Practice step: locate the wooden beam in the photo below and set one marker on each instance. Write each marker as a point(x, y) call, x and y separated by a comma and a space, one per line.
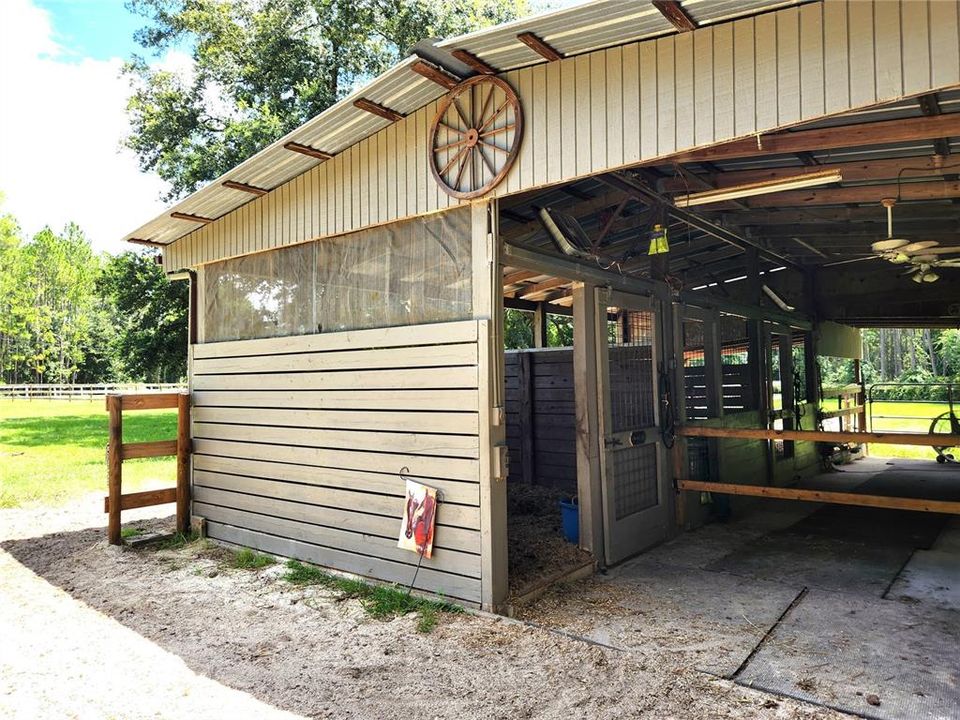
point(540, 47)
point(146, 498)
point(889, 438)
point(468, 58)
point(860, 171)
point(191, 218)
point(243, 187)
point(377, 109)
point(863, 134)
point(519, 276)
point(153, 448)
point(307, 150)
point(434, 74)
point(147, 401)
point(934, 190)
point(184, 447)
point(541, 288)
point(844, 215)
point(824, 496)
point(114, 467)
point(930, 106)
point(147, 243)
point(677, 16)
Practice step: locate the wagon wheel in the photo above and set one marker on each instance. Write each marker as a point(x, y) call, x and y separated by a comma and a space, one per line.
point(944, 424)
point(475, 136)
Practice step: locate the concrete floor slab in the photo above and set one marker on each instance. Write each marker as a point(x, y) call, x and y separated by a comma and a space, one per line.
point(838, 649)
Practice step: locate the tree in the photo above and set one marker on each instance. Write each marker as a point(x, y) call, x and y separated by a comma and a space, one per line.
point(263, 67)
point(150, 316)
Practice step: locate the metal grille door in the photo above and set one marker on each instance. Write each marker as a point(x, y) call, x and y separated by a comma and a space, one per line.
point(631, 466)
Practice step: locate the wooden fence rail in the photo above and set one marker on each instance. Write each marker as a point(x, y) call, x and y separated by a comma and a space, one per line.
point(118, 451)
point(86, 391)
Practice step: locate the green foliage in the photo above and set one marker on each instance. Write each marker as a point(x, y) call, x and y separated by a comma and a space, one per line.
point(260, 69)
point(248, 559)
point(379, 601)
point(150, 316)
point(517, 329)
point(130, 532)
point(51, 451)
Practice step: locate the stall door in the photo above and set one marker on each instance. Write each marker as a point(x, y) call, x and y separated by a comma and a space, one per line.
point(632, 457)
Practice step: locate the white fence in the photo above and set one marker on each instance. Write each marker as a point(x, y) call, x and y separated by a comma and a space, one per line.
point(82, 392)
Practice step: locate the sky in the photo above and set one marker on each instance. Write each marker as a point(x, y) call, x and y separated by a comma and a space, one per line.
point(62, 119)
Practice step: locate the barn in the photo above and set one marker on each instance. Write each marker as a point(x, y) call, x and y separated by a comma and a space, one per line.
point(695, 190)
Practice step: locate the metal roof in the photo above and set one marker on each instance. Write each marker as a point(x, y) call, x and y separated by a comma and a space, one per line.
point(572, 31)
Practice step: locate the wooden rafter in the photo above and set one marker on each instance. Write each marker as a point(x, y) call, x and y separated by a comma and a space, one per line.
point(307, 150)
point(191, 218)
point(859, 171)
point(841, 136)
point(930, 105)
point(468, 58)
point(377, 109)
point(541, 288)
point(539, 46)
point(934, 190)
point(843, 215)
point(243, 187)
point(519, 276)
point(677, 16)
point(435, 74)
point(147, 243)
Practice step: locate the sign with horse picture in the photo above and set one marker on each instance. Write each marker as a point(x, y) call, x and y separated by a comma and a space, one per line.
point(419, 519)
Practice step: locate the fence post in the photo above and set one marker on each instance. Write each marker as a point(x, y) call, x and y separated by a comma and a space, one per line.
point(114, 466)
point(183, 463)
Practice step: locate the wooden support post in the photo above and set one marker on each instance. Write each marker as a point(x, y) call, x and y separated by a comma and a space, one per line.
point(587, 419)
point(114, 466)
point(540, 320)
point(525, 380)
point(183, 463)
point(861, 398)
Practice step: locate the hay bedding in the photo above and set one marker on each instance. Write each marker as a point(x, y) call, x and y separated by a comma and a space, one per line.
point(537, 548)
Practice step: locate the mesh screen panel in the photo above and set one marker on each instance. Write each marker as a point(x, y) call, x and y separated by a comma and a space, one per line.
point(406, 273)
point(635, 472)
point(631, 373)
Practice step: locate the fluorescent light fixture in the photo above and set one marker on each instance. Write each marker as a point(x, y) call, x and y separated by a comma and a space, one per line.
point(735, 192)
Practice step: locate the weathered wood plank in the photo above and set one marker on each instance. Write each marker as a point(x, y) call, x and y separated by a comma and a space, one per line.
point(421, 465)
point(437, 356)
point(130, 501)
point(457, 423)
point(464, 331)
point(825, 496)
point(446, 400)
point(464, 446)
point(148, 401)
point(459, 492)
point(414, 379)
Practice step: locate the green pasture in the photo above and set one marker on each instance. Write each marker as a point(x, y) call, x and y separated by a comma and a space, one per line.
point(52, 451)
point(906, 417)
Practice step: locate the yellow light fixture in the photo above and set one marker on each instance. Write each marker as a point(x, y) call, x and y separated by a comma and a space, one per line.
point(735, 192)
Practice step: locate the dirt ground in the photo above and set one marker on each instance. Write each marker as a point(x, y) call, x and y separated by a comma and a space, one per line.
point(91, 631)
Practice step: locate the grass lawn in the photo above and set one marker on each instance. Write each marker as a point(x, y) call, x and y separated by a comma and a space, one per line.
point(51, 451)
point(905, 417)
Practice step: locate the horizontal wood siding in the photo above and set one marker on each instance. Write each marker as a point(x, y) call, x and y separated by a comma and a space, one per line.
point(541, 418)
point(302, 444)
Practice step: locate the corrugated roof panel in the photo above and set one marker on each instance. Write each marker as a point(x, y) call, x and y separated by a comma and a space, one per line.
point(573, 30)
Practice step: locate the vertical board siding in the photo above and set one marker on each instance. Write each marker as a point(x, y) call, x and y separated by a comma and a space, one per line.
point(302, 445)
point(620, 106)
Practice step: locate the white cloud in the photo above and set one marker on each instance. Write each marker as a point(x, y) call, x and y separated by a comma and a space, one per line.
point(61, 127)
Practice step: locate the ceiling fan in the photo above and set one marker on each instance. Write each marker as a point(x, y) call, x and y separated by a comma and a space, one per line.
point(922, 256)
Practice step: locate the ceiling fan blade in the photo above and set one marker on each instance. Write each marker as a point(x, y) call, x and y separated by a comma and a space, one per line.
point(942, 250)
point(852, 260)
point(918, 246)
point(889, 244)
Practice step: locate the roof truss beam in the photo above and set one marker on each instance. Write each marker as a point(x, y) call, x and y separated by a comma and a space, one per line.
point(677, 16)
point(377, 109)
point(831, 138)
point(540, 47)
point(307, 150)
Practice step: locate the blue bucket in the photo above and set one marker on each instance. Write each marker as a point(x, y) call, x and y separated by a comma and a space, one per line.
point(570, 515)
